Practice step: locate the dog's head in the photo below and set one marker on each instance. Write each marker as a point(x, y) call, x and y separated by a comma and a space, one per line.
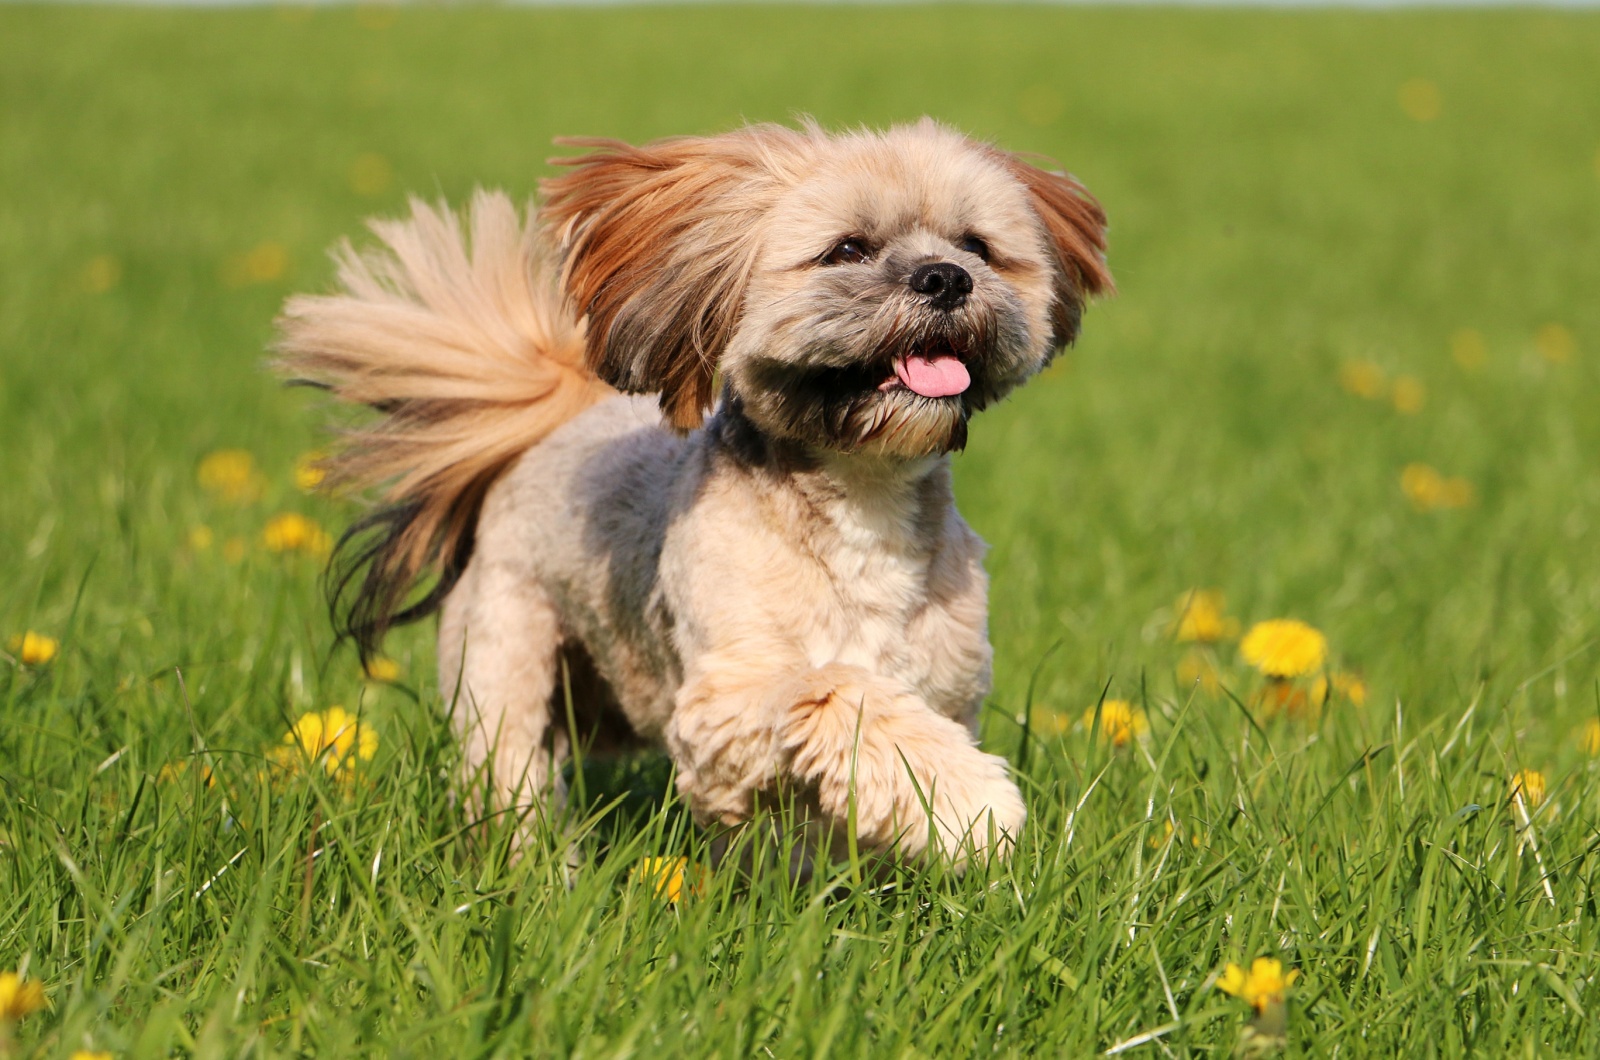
point(859, 292)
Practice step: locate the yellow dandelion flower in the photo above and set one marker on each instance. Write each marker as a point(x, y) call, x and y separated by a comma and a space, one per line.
point(1197, 668)
point(1528, 785)
point(1591, 737)
point(1471, 353)
point(201, 538)
point(1120, 721)
point(262, 263)
point(293, 532)
point(382, 669)
point(1284, 647)
point(1555, 343)
point(33, 649)
point(1202, 617)
point(100, 274)
point(19, 997)
point(1409, 395)
point(1351, 686)
point(90, 1054)
point(1428, 490)
point(231, 475)
point(671, 878)
point(370, 174)
point(1363, 379)
point(1421, 484)
point(1262, 985)
point(1420, 99)
point(333, 737)
point(309, 472)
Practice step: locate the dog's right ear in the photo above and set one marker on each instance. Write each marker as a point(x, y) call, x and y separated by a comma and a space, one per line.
point(656, 245)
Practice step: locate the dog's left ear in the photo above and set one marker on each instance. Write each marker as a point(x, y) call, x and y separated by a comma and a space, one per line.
point(1076, 226)
point(656, 246)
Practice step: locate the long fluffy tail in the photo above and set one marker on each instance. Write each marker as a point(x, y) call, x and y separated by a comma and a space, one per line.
point(466, 349)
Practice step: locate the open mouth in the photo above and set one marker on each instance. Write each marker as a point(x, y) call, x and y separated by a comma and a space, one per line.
point(933, 372)
point(908, 397)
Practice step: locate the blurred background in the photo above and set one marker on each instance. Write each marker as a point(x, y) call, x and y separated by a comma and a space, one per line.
point(1349, 376)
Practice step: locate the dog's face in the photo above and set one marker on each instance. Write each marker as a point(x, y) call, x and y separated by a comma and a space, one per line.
point(865, 292)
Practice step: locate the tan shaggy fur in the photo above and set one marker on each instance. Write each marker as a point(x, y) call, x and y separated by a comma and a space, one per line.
point(784, 596)
point(468, 350)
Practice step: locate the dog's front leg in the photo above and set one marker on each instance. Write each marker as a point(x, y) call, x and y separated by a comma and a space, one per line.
point(846, 734)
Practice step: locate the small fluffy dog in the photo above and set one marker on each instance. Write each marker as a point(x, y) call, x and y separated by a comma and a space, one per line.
point(783, 595)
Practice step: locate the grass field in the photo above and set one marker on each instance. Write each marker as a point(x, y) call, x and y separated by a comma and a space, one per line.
point(1347, 245)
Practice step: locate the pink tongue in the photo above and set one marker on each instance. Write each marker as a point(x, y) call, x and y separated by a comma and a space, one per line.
point(939, 377)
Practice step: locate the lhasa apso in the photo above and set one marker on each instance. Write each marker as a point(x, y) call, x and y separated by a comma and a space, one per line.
point(782, 595)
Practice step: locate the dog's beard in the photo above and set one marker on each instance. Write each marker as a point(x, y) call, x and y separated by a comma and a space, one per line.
point(848, 389)
point(856, 408)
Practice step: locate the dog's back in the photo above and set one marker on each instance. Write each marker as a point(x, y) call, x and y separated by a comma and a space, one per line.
point(584, 515)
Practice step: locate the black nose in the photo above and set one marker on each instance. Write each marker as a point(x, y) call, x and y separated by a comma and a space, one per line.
point(945, 283)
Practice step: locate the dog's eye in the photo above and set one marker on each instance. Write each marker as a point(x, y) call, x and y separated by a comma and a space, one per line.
point(974, 245)
point(847, 252)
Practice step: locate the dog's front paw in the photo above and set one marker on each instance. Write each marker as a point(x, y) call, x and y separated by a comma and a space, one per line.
point(915, 777)
point(978, 809)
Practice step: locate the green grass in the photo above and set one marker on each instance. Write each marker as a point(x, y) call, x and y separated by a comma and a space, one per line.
point(1275, 215)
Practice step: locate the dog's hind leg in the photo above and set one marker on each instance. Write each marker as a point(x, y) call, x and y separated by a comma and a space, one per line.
point(499, 663)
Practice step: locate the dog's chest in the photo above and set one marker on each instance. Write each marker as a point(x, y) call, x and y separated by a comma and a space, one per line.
point(878, 568)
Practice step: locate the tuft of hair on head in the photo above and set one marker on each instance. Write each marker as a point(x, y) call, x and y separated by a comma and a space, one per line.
point(657, 243)
point(1075, 227)
point(454, 331)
